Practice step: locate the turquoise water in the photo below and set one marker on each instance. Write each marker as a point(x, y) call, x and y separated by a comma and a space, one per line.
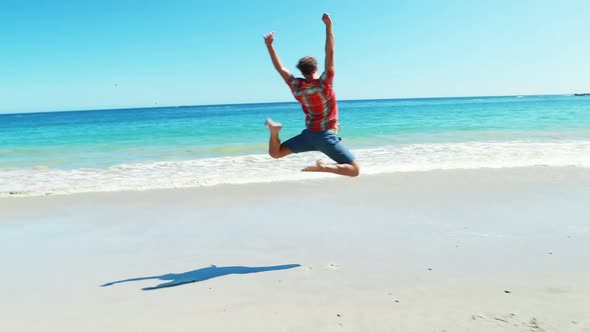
point(82, 147)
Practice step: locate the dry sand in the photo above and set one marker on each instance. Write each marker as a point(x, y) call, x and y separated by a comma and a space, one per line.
point(464, 250)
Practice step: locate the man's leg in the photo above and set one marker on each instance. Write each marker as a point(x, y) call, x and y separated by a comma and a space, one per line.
point(351, 169)
point(330, 144)
point(275, 149)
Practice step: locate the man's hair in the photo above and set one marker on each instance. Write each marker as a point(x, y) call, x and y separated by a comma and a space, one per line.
point(308, 65)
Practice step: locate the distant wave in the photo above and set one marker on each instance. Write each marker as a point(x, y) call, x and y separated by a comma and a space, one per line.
point(261, 168)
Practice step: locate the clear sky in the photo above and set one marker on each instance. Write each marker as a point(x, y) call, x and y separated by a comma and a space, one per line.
point(69, 55)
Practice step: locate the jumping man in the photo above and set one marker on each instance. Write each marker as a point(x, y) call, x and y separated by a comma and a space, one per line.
point(318, 100)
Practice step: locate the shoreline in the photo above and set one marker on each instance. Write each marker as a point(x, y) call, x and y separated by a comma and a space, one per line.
point(455, 250)
point(298, 177)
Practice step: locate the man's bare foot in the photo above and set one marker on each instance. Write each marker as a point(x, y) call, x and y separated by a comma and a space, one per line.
point(274, 127)
point(319, 166)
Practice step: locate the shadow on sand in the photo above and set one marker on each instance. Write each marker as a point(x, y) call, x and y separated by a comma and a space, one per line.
point(177, 279)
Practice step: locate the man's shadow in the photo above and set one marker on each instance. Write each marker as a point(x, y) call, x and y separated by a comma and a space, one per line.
point(177, 279)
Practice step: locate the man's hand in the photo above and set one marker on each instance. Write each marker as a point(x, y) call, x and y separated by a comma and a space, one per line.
point(285, 74)
point(329, 43)
point(269, 38)
point(327, 19)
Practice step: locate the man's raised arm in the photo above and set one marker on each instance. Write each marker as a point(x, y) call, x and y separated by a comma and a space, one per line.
point(329, 43)
point(285, 74)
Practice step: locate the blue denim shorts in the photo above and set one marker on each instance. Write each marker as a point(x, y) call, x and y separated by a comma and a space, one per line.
point(325, 141)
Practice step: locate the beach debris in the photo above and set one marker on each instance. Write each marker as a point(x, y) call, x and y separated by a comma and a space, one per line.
point(429, 269)
point(550, 253)
point(307, 269)
point(333, 267)
point(507, 292)
point(396, 301)
point(338, 315)
point(534, 325)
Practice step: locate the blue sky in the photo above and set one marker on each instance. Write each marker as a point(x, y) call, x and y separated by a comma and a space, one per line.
point(70, 55)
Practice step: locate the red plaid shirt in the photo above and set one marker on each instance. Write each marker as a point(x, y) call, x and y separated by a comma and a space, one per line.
point(318, 100)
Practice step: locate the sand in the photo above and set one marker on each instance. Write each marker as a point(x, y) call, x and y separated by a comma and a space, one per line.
point(462, 250)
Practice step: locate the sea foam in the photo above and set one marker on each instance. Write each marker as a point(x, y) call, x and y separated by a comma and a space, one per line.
point(261, 168)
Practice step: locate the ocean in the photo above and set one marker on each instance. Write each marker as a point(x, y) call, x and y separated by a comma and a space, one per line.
point(193, 146)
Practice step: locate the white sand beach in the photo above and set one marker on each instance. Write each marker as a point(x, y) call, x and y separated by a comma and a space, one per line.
point(457, 250)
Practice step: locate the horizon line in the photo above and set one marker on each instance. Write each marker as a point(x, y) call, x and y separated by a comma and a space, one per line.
point(275, 102)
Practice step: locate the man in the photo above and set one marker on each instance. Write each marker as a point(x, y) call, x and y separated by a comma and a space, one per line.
point(318, 100)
